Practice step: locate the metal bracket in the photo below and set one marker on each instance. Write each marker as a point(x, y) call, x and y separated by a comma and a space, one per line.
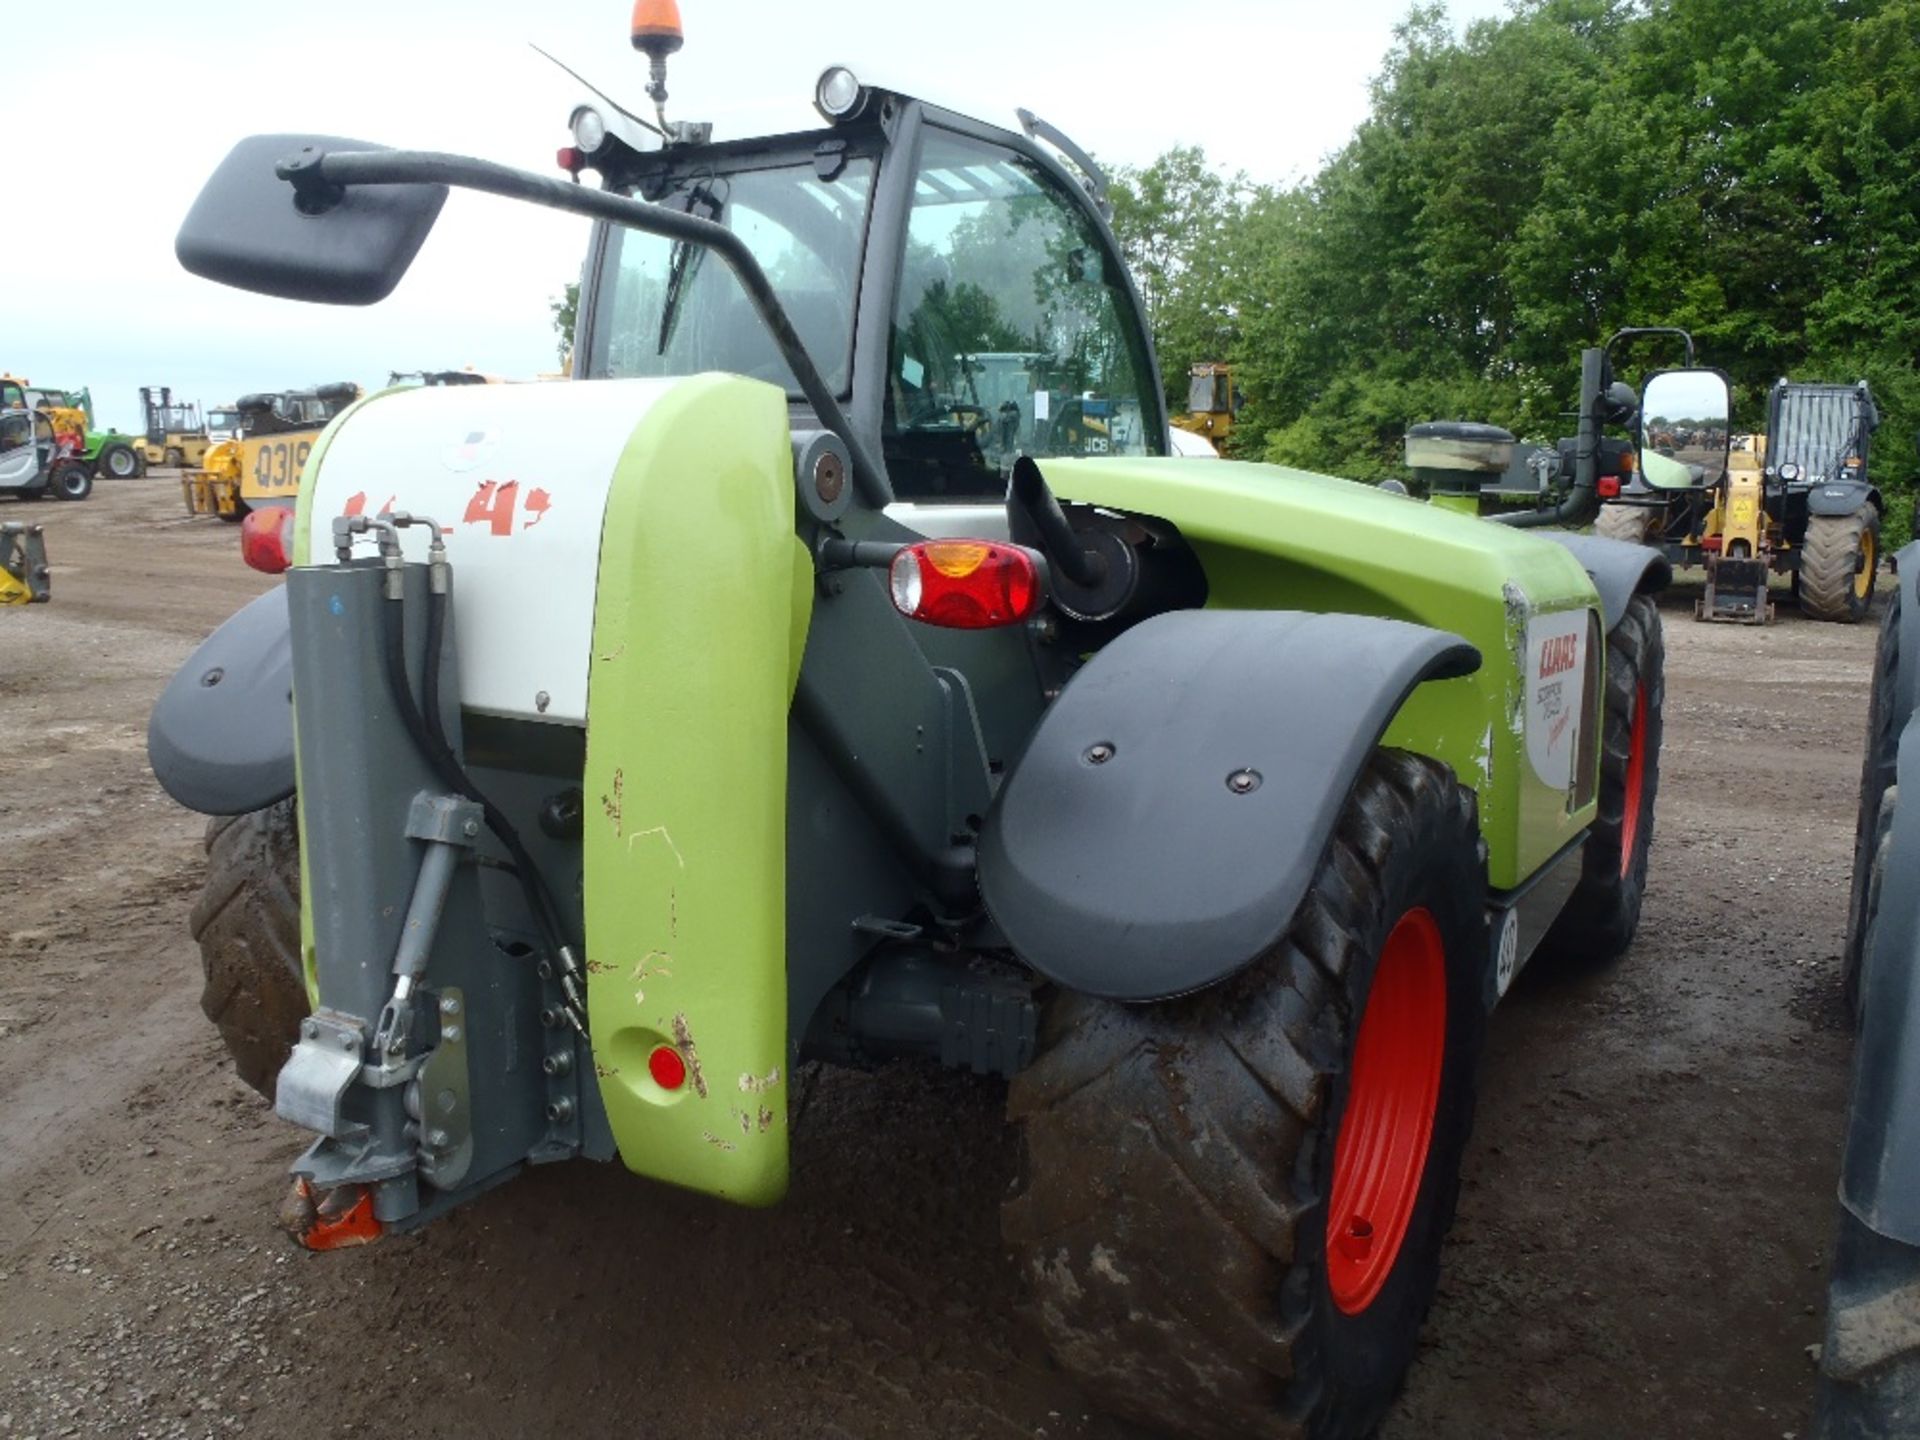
point(323, 1066)
point(442, 1102)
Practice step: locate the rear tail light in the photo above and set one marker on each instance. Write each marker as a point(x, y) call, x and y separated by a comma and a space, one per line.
point(266, 539)
point(1608, 486)
point(965, 584)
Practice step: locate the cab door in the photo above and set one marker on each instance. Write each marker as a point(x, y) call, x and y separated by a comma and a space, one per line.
point(19, 456)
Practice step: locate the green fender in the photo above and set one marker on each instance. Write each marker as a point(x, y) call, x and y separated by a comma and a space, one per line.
point(1275, 538)
point(703, 600)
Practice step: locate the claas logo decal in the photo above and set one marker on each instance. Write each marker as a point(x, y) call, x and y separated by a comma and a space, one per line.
point(1559, 655)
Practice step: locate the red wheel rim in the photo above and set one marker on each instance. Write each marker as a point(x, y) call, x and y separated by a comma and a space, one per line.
point(1636, 781)
point(1392, 1094)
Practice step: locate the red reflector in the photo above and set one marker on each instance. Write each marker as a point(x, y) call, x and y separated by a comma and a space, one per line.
point(571, 159)
point(1608, 486)
point(266, 539)
point(668, 1067)
point(965, 584)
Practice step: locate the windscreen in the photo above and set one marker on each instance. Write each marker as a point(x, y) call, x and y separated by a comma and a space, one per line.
point(668, 307)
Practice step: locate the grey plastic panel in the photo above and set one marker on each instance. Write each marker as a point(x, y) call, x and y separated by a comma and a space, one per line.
point(1619, 570)
point(220, 738)
point(1839, 498)
point(1146, 875)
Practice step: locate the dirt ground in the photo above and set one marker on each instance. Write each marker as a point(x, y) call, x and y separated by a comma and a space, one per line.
point(1639, 1252)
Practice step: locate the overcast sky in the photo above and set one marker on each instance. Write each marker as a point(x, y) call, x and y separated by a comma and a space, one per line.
point(93, 295)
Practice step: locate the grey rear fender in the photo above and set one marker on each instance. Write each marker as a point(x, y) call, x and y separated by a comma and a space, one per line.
point(1619, 569)
point(220, 738)
point(1880, 1175)
point(1906, 695)
point(1173, 804)
point(1842, 497)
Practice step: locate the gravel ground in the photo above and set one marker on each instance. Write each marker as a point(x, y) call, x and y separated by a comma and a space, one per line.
point(1640, 1247)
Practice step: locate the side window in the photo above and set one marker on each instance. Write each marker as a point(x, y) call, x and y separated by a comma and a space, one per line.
point(16, 430)
point(1012, 333)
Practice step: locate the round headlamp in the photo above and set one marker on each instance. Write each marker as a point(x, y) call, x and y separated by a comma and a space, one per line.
point(589, 129)
point(1790, 472)
point(838, 95)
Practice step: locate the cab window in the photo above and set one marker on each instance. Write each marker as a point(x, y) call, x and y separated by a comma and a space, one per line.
point(1012, 330)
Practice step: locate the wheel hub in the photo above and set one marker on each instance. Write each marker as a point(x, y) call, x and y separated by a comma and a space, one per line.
point(1392, 1096)
point(1636, 780)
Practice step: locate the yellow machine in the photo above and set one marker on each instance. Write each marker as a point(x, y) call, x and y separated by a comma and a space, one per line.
point(1796, 501)
point(175, 434)
point(23, 564)
point(1744, 554)
point(261, 466)
point(1213, 401)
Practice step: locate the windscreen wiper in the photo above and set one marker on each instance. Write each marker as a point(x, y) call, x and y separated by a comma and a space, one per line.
point(685, 261)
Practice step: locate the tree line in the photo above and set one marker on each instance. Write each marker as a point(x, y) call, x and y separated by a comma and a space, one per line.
point(1746, 169)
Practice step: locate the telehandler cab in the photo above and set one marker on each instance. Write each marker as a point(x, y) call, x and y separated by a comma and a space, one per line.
point(753, 699)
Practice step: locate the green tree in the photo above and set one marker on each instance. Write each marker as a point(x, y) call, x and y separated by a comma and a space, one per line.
point(566, 310)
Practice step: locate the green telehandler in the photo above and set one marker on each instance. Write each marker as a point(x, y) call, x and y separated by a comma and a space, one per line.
point(769, 694)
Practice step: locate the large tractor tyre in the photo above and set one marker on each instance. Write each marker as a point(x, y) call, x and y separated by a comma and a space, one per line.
point(248, 924)
point(120, 462)
point(175, 457)
point(1838, 561)
point(70, 480)
point(1869, 1384)
point(1871, 825)
point(1232, 1204)
point(1630, 523)
point(1603, 912)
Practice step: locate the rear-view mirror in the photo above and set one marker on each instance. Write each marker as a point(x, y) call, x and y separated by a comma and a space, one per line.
point(248, 228)
point(1685, 416)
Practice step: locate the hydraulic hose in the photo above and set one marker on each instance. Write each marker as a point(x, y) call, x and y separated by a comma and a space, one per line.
point(440, 758)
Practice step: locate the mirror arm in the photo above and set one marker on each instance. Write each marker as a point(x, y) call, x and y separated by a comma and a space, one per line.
point(1636, 330)
point(324, 175)
point(1582, 501)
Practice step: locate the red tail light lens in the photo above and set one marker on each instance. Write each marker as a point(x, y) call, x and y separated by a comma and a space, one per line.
point(1608, 486)
point(965, 584)
point(266, 539)
point(668, 1067)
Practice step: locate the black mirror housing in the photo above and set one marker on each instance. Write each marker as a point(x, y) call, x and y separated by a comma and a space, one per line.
point(247, 230)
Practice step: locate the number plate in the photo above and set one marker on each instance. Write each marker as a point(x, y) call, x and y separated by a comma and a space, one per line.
point(270, 467)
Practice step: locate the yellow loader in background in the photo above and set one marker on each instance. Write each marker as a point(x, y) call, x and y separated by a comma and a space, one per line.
point(261, 465)
point(1796, 501)
point(1213, 403)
